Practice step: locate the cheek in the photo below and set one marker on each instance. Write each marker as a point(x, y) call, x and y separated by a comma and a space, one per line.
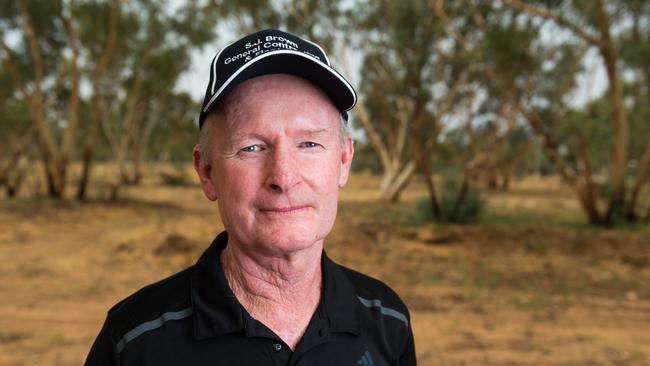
point(323, 177)
point(328, 172)
point(236, 184)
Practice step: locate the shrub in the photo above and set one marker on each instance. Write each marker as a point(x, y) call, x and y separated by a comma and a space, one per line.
point(456, 204)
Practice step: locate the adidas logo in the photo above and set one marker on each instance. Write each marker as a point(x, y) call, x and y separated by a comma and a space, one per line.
point(365, 360)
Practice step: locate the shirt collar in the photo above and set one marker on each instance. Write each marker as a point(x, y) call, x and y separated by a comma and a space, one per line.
point(217, 311)
point(339, 300)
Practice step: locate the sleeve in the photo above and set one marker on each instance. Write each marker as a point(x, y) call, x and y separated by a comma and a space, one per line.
point(103, 351)
point(408, 354)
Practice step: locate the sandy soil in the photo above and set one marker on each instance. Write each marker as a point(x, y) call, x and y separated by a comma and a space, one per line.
point(497, 294)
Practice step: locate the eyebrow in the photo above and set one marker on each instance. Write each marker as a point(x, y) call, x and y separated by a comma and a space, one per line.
point(318, 131)
point(245, 135)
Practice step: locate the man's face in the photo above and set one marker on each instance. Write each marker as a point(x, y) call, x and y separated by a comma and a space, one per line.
point(276, 164)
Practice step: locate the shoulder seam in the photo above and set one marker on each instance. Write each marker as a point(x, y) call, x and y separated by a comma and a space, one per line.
point(151, 325)
point(376, 303)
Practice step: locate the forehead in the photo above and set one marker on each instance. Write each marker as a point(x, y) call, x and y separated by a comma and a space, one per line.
point(277, 101)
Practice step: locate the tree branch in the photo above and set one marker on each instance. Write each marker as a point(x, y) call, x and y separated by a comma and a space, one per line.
point(8, 62)
point(19, 148)
point(439, 10)
point(402, 131)
point(641, 176)
point(554, 16)
point(370, 130)
point(47, 143)
point(549, 145)
point(372, 134)
point(28, 29)
point(73, 106)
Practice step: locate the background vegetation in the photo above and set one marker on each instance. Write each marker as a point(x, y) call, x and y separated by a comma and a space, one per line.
point(477, 91)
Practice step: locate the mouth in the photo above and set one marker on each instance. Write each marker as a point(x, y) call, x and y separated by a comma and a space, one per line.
point(284, 210)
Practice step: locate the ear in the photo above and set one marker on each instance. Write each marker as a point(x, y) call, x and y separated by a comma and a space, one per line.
point(347, 152)
point(204, 171)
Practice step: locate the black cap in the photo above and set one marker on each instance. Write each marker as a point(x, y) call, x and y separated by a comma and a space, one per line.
point(275, 52)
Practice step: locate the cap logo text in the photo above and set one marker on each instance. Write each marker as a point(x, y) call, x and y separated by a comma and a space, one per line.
point(259, 47)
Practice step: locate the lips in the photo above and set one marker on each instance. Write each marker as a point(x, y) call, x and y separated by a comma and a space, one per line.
point(284, 209)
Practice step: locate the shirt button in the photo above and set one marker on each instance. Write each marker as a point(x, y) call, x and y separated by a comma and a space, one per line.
point(277, 347)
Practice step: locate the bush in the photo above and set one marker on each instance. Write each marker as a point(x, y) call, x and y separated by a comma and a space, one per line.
point(422, 213)
point(453, 208)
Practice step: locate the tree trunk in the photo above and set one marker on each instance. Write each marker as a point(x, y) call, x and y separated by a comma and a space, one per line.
point(620, 138)
point(396, 172)
point(425, 166)
point(644, 163)
point(588, 202)
point(12, 174)
point(460, 199)
point(55, 158)
point(54, 189)
point(429, 182)
point(505, 182)
point(70, 133)
point(98, 102)
point(90, 142)
point(395, 182)
point(492, 181)
point(82, 187)
point(15, 181)
point(641, 177)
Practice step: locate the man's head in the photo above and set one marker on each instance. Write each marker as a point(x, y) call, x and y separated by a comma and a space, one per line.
point(276, 163)
point(273, 153)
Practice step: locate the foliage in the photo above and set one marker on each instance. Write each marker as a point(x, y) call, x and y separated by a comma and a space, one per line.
point(454, 208)
point(590, 146)
point(130, 54)
point(477, 90)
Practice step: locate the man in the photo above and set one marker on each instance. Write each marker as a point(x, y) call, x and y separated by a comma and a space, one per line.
point(273, 153)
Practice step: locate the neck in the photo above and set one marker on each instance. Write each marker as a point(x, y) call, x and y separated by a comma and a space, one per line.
point(272, 278)
point(282, 291)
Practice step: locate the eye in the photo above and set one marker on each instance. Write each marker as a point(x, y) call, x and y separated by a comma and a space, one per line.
point(310, 144)
point(251, 148)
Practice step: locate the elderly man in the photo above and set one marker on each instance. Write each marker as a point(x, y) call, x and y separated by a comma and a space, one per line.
point(273, 153)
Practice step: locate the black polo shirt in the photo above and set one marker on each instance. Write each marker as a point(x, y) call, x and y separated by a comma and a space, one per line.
point(193, 318)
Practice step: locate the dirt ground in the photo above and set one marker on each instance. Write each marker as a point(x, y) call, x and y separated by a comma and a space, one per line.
point(531, 285)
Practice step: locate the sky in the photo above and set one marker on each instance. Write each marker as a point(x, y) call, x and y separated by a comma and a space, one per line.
point(195, 80)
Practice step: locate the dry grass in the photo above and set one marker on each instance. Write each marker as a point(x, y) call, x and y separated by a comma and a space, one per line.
point(532, 285)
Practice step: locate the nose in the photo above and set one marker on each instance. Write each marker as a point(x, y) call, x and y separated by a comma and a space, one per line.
point(282, 170)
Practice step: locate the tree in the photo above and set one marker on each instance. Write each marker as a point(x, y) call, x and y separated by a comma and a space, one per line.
point(404, 61)
point(106, 36)
point(37, 71)
point(62, 45)
point(538, 94)
point(635, 52)
point(155, 49)
point(16, 134)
